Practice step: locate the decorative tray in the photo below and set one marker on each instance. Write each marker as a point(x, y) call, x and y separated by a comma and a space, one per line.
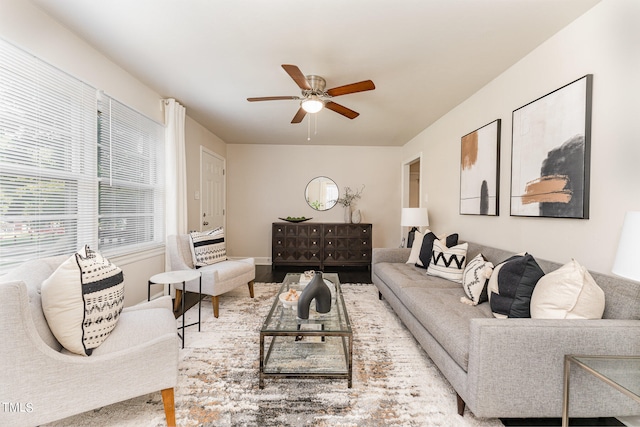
point(295, 219)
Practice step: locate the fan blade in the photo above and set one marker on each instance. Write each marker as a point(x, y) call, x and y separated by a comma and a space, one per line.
point(340, 109)
point(297, 76)
point(352, 88)
point(272, 98)
point(299, 116)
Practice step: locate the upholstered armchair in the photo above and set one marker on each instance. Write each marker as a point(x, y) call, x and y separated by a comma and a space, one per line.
point(217, 278)
point(42, 382)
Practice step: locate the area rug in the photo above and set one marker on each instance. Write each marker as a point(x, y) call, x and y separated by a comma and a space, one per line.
point(394, 381)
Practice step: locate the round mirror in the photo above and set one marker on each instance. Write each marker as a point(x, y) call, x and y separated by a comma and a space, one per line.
point(321, 193)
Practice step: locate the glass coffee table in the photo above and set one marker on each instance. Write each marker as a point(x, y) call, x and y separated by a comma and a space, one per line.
point(318, 347)
point(620, 372)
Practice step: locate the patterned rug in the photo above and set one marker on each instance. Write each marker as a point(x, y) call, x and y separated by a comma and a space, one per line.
point(394, 381)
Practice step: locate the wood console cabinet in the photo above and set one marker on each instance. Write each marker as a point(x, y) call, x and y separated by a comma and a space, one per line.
point(321, 244)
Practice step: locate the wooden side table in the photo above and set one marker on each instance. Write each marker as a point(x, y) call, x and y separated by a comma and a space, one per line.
point(620, 372)
point(174, 277)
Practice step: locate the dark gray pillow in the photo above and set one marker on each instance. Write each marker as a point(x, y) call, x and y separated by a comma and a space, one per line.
point(516, 278)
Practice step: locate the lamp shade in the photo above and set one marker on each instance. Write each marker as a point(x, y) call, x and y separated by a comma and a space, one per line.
point(627, 262)
point(414, 217)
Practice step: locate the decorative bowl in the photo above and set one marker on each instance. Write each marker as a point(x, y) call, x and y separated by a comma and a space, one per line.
point(290, 219)
point(292, 301)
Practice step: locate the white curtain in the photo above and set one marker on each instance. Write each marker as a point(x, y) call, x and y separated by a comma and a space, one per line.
point(176, 170)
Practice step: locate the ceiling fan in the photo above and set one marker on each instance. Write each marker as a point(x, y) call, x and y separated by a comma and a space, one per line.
point(315, 97)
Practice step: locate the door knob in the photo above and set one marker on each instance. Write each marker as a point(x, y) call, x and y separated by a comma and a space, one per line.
point(205, 223)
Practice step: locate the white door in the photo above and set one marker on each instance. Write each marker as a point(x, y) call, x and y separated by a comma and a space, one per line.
point(212, 188)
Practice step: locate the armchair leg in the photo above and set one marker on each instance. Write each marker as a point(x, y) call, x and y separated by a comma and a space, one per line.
point(250, 284)
point(215, 300)
point(176, 303)
point(169, 406)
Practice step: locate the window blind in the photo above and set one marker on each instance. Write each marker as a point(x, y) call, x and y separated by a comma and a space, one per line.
point(76, 166)
point(131, 178)
point(48, 202)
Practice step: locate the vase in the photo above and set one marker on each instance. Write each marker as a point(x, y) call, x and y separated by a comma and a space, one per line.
point(318, 290)
point(356, 217)
point(347, 214)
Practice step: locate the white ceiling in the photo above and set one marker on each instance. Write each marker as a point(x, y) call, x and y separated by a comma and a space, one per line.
point(424, 56)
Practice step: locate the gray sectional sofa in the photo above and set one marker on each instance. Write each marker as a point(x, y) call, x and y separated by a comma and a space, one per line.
point(511, 368)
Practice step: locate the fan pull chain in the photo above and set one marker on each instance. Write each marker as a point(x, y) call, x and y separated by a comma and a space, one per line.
point(315, 126)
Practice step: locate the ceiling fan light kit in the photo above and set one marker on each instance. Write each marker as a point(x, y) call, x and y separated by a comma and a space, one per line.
point(313, 104)
point(314, 97)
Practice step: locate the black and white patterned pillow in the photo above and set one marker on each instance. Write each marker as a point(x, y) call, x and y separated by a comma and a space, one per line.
point(475, 279)
point(426, 249)
point(82, 300)
point(208, 247)
point(448, 263)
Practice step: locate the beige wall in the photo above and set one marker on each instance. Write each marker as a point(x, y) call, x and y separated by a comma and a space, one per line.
point(196, 136)
point(604, 42)
point(265, 182)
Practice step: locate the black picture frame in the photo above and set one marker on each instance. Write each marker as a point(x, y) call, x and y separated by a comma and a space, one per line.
point(551, 153)
point(480, 171)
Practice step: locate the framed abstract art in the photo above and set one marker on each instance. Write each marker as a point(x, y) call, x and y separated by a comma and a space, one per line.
point(480, 170)
point(550, 156)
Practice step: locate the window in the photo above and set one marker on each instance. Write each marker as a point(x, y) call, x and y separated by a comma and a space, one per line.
point(59, 188)
point(130, 175)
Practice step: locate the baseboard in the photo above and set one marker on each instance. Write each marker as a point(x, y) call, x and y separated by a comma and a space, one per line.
point(259, 260)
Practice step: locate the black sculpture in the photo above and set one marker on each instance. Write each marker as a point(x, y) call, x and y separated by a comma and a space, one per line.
point(315, 289)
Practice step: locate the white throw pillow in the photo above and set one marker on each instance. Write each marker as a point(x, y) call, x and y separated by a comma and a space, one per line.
point(208, 247)
point(567, 293)
point(82, 301)
point(448, 263)
point(475, 279)
point(414, 257)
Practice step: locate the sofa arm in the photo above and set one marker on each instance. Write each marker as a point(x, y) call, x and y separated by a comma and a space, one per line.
point(516, 365)
point(393, 255)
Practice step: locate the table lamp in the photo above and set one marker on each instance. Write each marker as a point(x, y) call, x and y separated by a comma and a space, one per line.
point(414, 218)
point(627, 262)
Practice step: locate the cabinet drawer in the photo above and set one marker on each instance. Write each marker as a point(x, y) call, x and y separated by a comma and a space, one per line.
point(319, 244)
point(278, 230)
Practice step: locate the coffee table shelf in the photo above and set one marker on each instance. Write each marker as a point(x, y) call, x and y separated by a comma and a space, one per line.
point(318, 347)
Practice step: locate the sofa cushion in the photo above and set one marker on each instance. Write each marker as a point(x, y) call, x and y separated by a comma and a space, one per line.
point(512, 284)
point(82, 300)
point(401, 275)
point(475, 279)
point(208, 247)
point(567, 293)
point(448, 263)
point(448, 321)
